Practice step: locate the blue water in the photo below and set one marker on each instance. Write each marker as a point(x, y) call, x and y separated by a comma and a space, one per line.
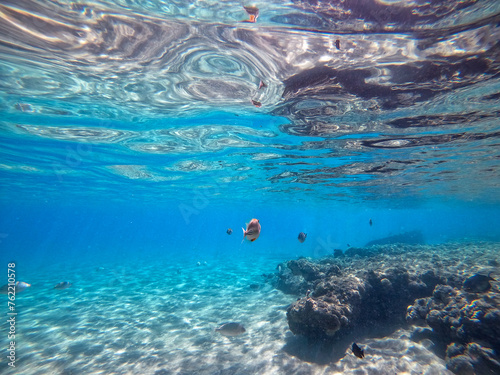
point(134, 134)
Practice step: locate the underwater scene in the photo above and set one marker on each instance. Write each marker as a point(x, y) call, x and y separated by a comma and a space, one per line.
point(223, 187)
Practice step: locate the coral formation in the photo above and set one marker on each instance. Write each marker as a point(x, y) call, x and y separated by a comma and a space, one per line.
point(460, 321)
point(437, 289)
point(411, 238)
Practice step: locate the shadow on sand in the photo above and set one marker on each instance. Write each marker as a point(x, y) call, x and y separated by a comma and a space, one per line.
point(324, 352)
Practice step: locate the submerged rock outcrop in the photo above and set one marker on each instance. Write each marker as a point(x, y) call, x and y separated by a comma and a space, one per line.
point(413, 238)
point(425, 286)
point(460, 321)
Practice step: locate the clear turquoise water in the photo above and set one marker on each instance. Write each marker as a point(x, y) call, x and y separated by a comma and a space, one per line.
point(128, 141)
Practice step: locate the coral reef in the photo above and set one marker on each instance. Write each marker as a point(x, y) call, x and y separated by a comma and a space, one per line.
point(460, 321)
point(412, 238)
point(441, 290)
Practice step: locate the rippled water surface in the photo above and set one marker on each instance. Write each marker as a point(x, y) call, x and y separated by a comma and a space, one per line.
point(345, 100)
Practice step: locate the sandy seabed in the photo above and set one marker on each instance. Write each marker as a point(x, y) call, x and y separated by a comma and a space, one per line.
point(160, 318)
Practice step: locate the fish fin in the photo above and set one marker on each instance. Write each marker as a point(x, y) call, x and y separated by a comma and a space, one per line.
point(244, 234)
point(253, 239)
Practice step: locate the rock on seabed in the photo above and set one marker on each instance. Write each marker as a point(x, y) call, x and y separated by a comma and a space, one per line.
point(419, 285)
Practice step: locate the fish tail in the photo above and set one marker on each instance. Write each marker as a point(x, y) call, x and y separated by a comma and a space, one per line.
point(244, 234)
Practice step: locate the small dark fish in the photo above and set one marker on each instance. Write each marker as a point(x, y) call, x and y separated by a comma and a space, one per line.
point(63, 285)
point(357, 351)
point(371, 222)
point(256, 103)
point(478, 283)
point(254, 286)
point(337, 44)
point(348, 245)
point(231, 329)
point(302, 237)
point(229, 231)
point(253, 13)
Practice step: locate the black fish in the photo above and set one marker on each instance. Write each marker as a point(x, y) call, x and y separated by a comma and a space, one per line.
point(357, 351)
point(337, 44)
point(371, 223)
point(229, 231)
point(302, 237)
point(478, 283)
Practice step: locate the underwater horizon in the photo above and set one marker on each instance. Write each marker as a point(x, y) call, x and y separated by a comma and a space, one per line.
point(138, 137)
